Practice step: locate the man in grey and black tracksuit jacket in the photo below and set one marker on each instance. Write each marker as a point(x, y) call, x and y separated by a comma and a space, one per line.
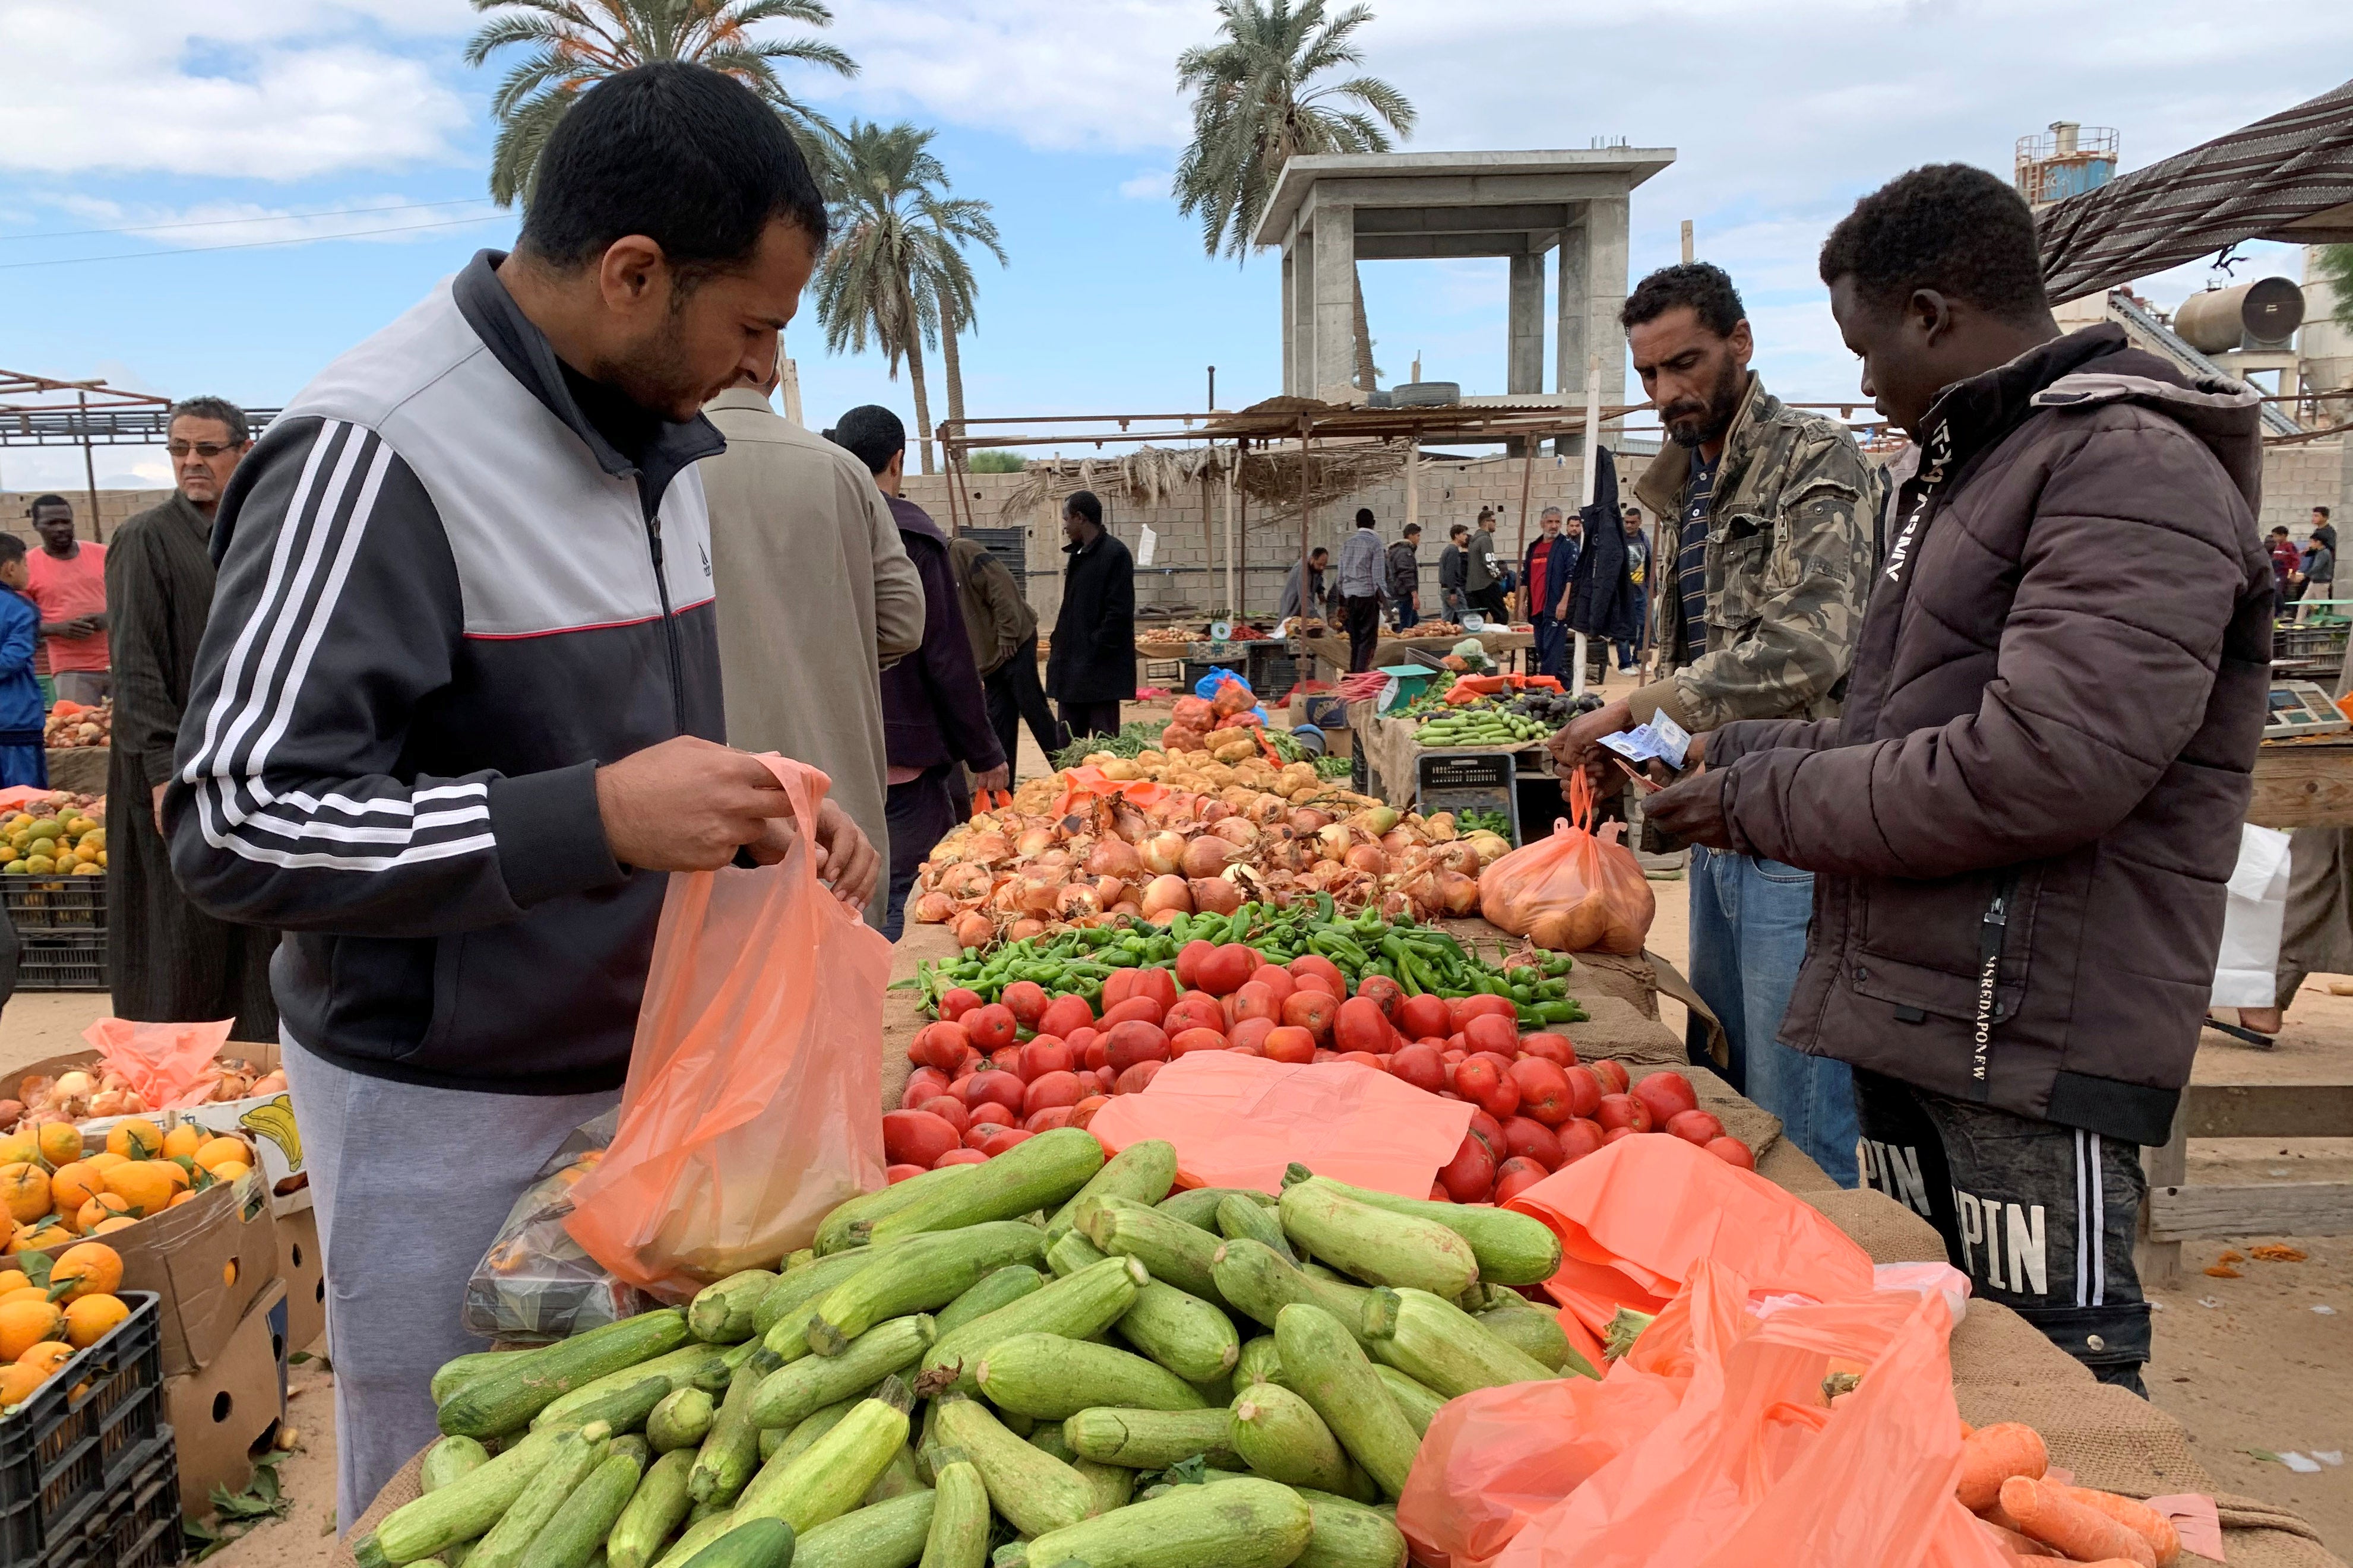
point(455, 711)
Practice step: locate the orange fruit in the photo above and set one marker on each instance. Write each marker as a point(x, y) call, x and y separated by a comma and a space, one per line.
point(179, 1198)
point(217, 1152)
point(95, 1269)
point(74, 1184)
point(19, 1148)
point(18, 1384)
point(183, 1142)
point(134, 1138)
point(24, 1293)
point(23, 1324)
point(171, 1170)
point(12, 1279)
point(47, 1357)
point(110, 1226)
point(106, 1205)
point(39, 1237)
point(104, 1160)
point(230, 1170)
point(24, 1190)
point(60, 1142)
point(88, 1319)
point(138, 1183)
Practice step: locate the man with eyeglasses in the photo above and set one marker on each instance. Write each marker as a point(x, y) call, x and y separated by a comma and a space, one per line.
point(66, 580)
point(169, 960)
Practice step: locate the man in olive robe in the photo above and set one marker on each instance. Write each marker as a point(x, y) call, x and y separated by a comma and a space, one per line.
point(169, 961)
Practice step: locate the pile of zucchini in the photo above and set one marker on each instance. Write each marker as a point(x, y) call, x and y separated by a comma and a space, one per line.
point(1047, 1360)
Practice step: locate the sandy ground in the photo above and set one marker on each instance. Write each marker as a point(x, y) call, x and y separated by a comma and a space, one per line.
point(2259, 1363)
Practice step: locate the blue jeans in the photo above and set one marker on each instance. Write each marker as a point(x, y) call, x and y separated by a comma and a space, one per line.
point(1748, 920)
point(1401, 615)
point(1551, 652)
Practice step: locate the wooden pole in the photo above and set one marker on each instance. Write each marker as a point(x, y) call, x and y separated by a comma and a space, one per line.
point(1304, 515)
point(1233, 599)
point(1239, 554)
point(1528, 482)
point(1687, 241)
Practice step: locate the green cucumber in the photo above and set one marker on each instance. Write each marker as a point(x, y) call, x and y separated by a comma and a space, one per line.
point(1184, 1333)
point(656, 1508)
point(898, 1479)
point(721, 1314)
point(1374, 1245)
point(1512, 1249)
point(930, 1270)
point(1198, 1206)
point(1259, 1284)
point(447, 1459)
point(577, 1455)
point(1143, 1172)
point(1439, 1345)
point(834, 1474)
point(622, 1409)
point(732, 1447)
point(848, 1224)
point(1279, 1435)
point(960, 1516)
point(1241, 1523)
point(808, 1285)
point(1150, 1439)
point(753, 1543)
point(575, 1532)
point(1034, 1491)
point(460, 1511)
point(1238, 1216)
point(797, 1437)
point(887, 1535)
point(1344, 1533)
point(702, 1530)
point(1419, 1401)
point(1177, 1253)
point(454, 1373)
point(497, 1400)
point(999, 1288)
point(1258, 1363)
point(1115, 1484)
point(1531, 1329)
point(1323, 1364)
point(1036, 1173)
point(1047, 1377)
point(1072, 1253)
point(681, 1420)
point(687, 1365)
point(1077, 1307)
point(792, 1392)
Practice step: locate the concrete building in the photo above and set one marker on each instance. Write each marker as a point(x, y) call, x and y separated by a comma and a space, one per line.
point(1327, 214)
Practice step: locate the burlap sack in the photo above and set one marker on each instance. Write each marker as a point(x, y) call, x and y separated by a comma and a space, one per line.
point(404, 1487)
point(1880, 1225)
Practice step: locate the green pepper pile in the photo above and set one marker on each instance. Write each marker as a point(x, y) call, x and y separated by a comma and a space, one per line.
point(1498, 823)
point(1420, 958)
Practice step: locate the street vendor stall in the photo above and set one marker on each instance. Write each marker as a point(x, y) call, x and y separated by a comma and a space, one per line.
point(1502, 645)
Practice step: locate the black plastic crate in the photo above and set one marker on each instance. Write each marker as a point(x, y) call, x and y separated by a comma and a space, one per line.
point(43, 906)
point(81, 1435)
point(133, 1523)
point(1468, 781)
point(62, 963)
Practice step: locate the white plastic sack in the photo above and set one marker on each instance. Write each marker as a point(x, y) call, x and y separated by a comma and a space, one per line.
point(2246, 971)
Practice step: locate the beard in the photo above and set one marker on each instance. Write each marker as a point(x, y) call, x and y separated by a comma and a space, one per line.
point(1692, 423)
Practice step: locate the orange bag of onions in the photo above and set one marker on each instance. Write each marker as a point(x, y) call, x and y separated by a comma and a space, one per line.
point(1574, 892)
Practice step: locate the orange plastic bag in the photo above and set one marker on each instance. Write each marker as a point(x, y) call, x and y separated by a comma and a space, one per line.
point(753, 1103)
point(1714, 1450)
point(171, 1064)
point(1238, 1120)
point(1574, 892)
point(1637, 1219)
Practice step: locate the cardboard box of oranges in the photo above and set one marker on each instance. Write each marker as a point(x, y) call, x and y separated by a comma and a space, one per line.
point(183, 1213)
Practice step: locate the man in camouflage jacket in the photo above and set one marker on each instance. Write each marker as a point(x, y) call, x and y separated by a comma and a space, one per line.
point(1763, 567)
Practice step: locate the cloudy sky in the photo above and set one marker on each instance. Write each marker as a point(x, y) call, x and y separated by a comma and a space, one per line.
point(220, 198)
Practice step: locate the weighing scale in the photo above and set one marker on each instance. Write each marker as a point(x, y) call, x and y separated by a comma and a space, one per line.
point(2302, 708)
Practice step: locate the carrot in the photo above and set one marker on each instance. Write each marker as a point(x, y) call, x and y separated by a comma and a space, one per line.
point(2018, 1545)
point(2136, 1516)
point(1991, 1455)
point(2086, 1534)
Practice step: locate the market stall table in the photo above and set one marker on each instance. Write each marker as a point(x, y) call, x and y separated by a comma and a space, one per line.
point(1503, 646)
point(81, 770)
point(1391, 751)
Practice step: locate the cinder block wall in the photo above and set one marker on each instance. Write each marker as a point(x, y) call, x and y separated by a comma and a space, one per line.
point(114, 509)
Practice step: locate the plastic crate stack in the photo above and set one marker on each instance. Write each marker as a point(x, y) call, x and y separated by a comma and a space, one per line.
point(88, 1477)
point(61, 929)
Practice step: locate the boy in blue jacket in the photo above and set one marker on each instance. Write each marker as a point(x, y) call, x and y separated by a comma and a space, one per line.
point(23, 758)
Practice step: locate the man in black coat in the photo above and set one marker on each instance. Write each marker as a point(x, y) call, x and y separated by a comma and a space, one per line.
point(1091, 667)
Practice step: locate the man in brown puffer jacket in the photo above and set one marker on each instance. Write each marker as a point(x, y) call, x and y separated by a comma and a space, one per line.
point(2023, 820)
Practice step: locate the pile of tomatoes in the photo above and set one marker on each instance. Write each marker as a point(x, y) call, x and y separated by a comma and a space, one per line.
point(989, 1074)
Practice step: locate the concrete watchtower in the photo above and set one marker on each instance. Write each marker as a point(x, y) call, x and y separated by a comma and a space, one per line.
point(1329, 213)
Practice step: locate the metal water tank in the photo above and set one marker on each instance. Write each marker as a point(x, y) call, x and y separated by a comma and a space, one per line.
point(2264, 313)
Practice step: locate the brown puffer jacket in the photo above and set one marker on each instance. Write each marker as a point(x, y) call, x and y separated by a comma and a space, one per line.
point(2045, 754)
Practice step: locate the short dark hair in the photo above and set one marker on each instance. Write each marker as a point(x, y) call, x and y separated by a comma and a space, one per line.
point(1704, 287)
point(2281, 528)
point(871, 434)
point(1319, 549)
point(1952, 228)
point(43, 502)
point(2323, 511)
point(1363, 517)
point(1087, 504)
point(219, 408)
point(1458, 531)
point(12, 547)
point(1410, 530)
point(679, 153)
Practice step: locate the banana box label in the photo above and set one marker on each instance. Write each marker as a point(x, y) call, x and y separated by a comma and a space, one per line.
point(266, 1121)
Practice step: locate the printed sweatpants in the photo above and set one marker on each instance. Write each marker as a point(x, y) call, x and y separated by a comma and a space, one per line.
point(2039, 1216)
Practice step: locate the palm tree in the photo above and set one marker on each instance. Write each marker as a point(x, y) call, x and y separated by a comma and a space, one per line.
point(1256, 106)
point(895, 273)
point(2334, 265)
point(574, 44)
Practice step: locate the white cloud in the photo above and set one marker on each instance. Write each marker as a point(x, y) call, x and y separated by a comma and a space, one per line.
point(372, 219)
point(277, 90)
point(1151, 185)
